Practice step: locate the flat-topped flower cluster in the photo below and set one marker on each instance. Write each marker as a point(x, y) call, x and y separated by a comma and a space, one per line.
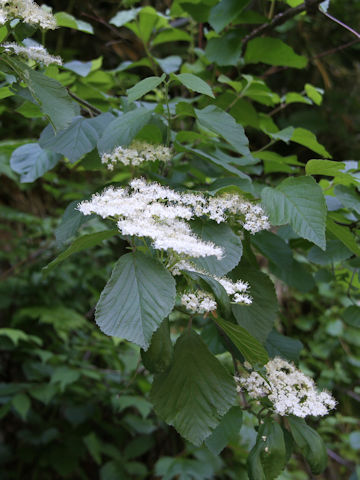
point(138, 152)
point(290, 390)
point(28, 11)
point(37, 53)
point(199, 302)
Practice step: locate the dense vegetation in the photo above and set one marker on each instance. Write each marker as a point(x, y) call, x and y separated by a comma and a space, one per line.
point(257, 102)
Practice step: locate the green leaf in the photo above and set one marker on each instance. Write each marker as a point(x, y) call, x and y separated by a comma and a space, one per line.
point(273, 51)
point(194, 83)
point(349, 197)
point(300, 202)
point(225, 50)
point(351, 316)
point(78, 139)
point(21, 403)
point(171, 35)
point(124, 16)
point(310, 444)
point(328, 168)
point(225, 12)
point(94, 446)
point(15, 335)
point(82, 243)
point(64, 376)
point(223, 236)
point(138, 296)
point(195, 392)
point(250, 348)
point(143, 87)
point(267, 459)
point(70, 223)
point(121, 402)
point(308, 139)
point(223, 124)
point(157, 358)
point(282, 262)
point(227, 431)
point(64, 19)
point(31, 162)
point(122, 130)
point(335, 252)
point(344, 234)
point(54, 100)
point(279, 345)
point(315, 94)
point(257, 318)
point(170, 64)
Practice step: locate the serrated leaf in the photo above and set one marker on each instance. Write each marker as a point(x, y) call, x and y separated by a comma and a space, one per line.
point(138, 296)
point(54, 100)
point(70, 223)
point(227, 431)
point(310, 444)
point(279, 345)
point(268, 457)
point(225, 12)
point(328, 168)
point(349, 197)
point(78, 139)
point(308, 139)
point(344, 234)
point(157, 358)
point(298, 201)
point(143, 87)
point(194, 83)
point(273, 51)
point(82, 243)
point(31, 162)
point(251, 349)
point(195, 392)
point(257, 318)
point(223, 236)
point(224, 124)
point(122, 130)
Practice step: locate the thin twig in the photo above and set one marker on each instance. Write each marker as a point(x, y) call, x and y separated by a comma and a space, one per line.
point(279, 19)
point(334, 19)
point(339, 459)
point(84, 102)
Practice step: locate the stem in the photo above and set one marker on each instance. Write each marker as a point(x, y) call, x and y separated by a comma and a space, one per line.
point(354, 32)
point(168, 130)
point(272, 10)
point(265, 147)
point(84, 102)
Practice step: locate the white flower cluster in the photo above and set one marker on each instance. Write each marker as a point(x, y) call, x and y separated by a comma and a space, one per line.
point(198, 302)
point(290, 391)
point(36, 53)
point(153, 211)
point(28, 11)
point(137, 153)
point(237, 291)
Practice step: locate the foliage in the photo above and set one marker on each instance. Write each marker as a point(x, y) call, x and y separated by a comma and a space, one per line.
point(89, 405)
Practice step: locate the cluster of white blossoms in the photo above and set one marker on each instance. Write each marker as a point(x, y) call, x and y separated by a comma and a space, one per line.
point(37, 53)
point(290, 391)
point(237, 291)
point(28, 11)
point(137, 153)
point(198, 302)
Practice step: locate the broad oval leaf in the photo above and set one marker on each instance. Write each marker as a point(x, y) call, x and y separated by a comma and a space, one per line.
point(257, 318)
point(138, 296)
point(250, 348)
point(195, 83)
point(157, 358)
point(273, 51)
point(31, 161)
point(300, 202)
point(143, 87)
point(223, 236)
point(195, 392)
point(122, 130)
point(310, 444)
point(222, 123)
point(227, 431)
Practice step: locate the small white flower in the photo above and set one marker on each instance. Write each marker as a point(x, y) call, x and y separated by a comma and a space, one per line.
point(136, 154)
point(198, 302)
point(28, 11)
